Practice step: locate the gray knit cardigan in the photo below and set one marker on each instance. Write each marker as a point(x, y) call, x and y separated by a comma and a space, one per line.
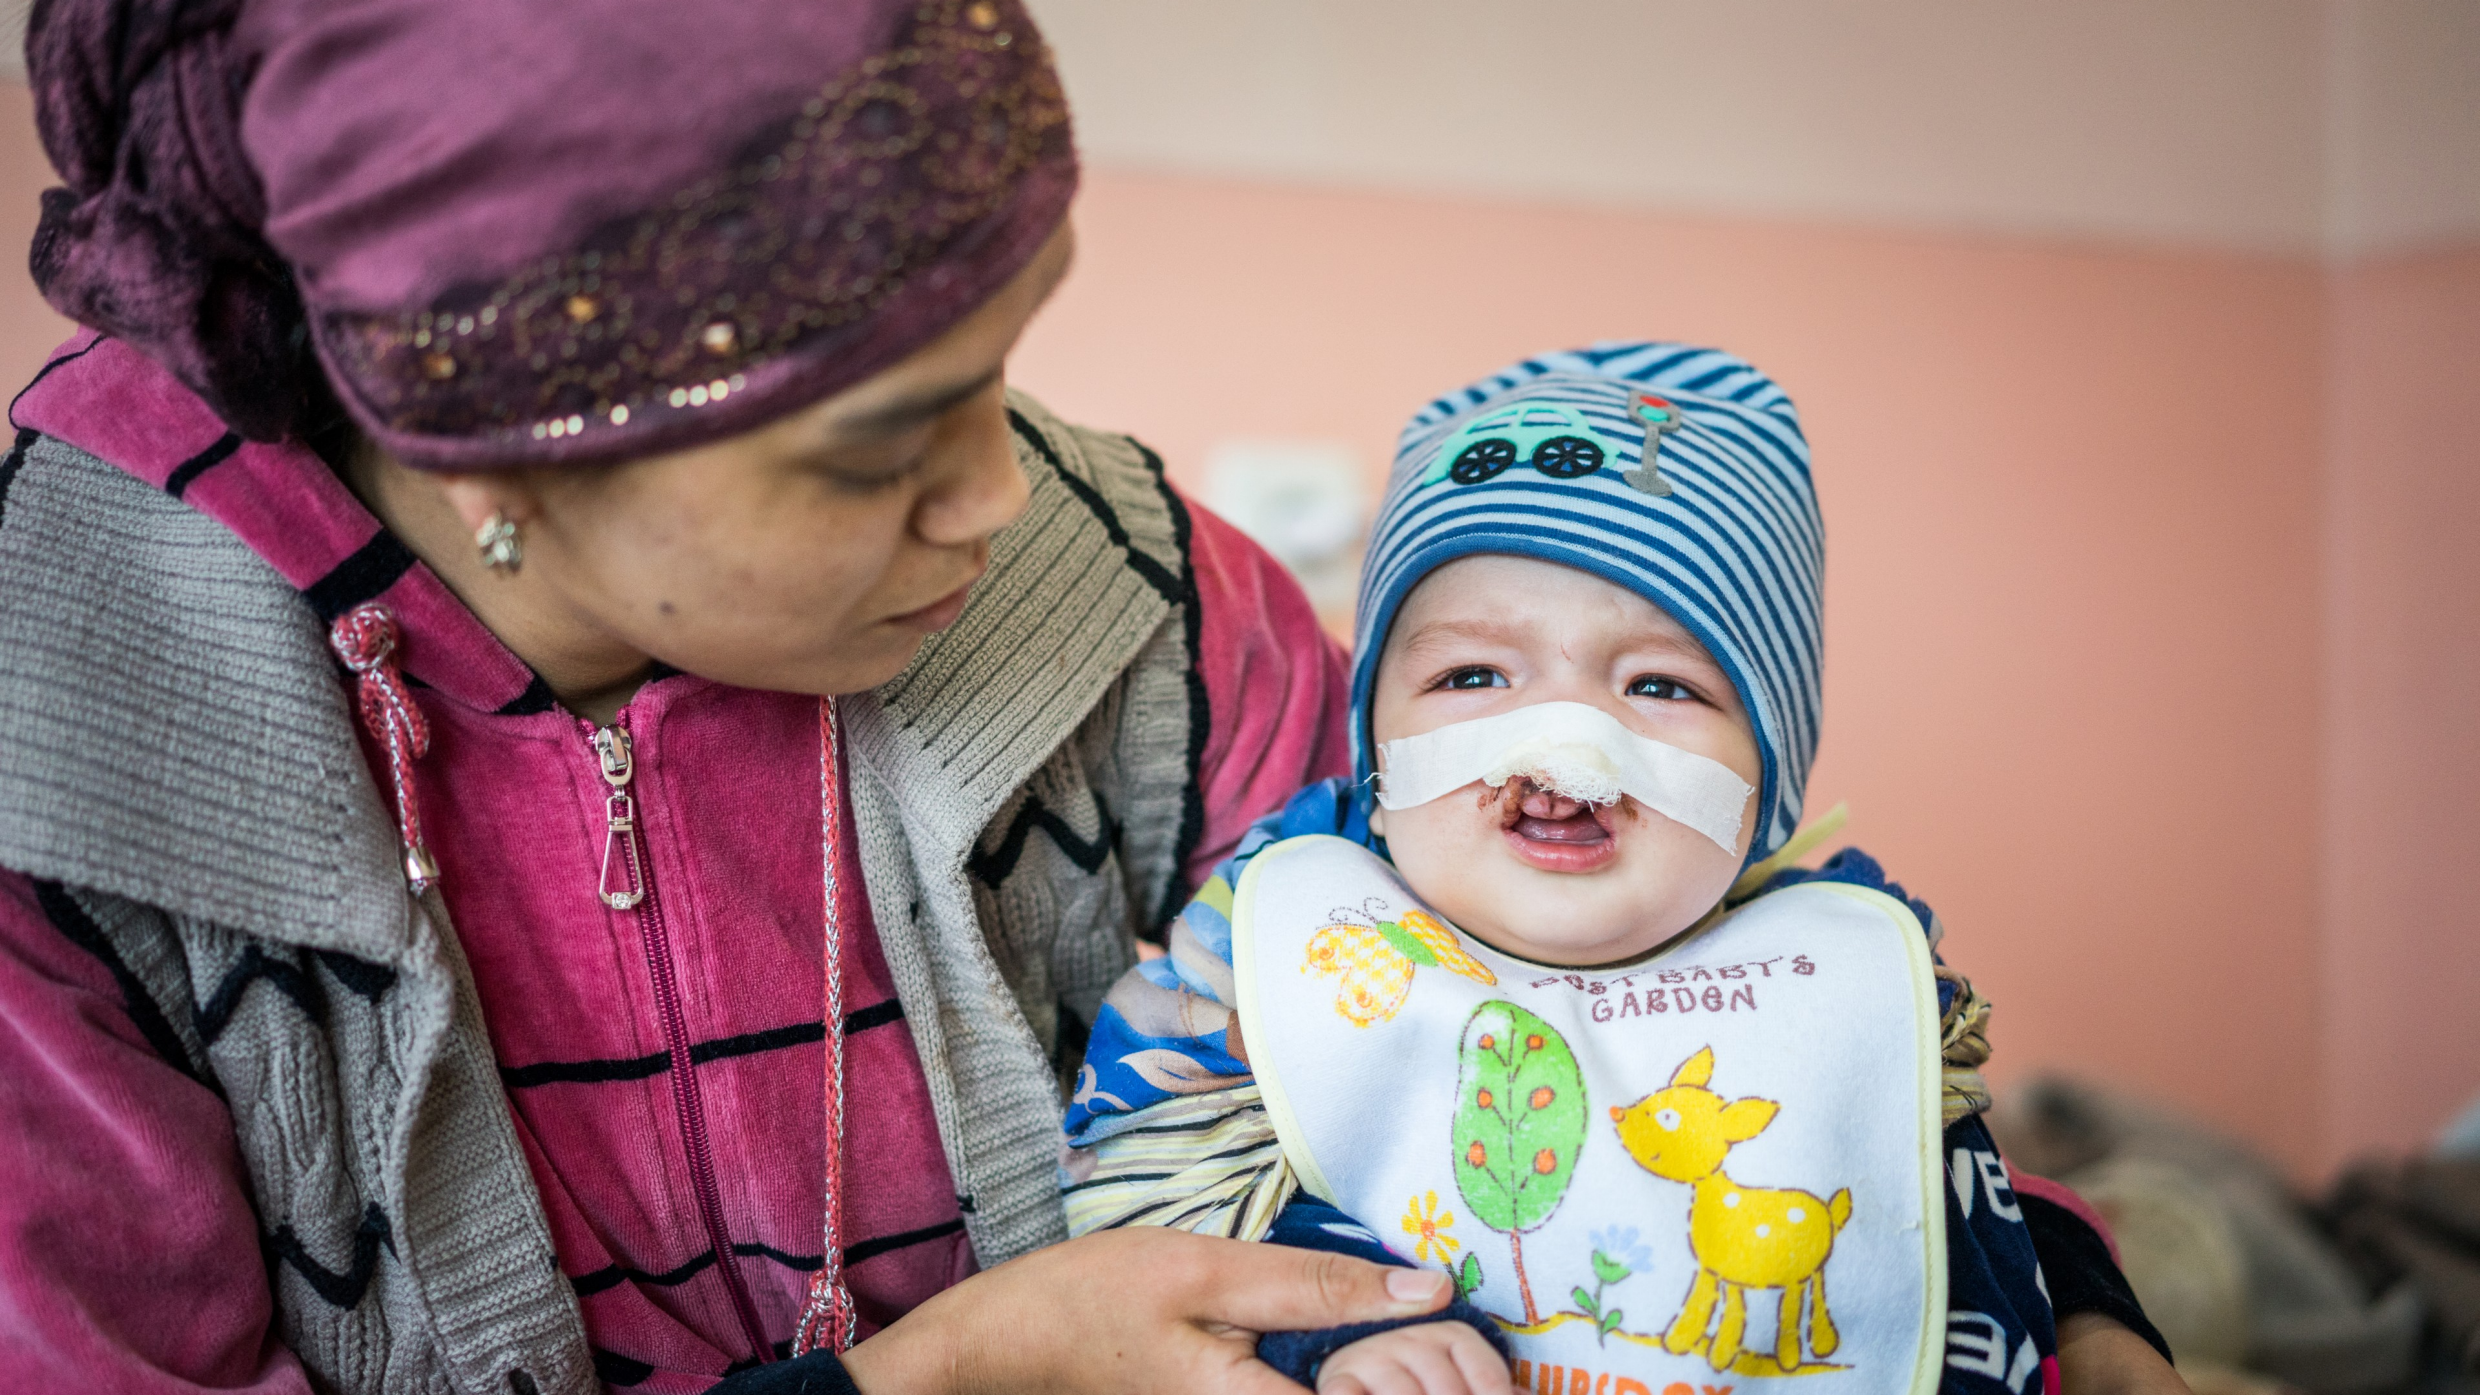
point(178, 771)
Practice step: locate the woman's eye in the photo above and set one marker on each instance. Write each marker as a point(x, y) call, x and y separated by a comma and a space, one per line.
point(870, 481)
point(1475, 678)
point(872, 467)
point(1660, 689)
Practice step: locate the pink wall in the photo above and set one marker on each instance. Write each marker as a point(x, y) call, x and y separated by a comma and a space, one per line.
point(2402, 695)
point(2074, 494)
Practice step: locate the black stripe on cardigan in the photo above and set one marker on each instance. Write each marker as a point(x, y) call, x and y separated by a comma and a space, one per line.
point(592, 1072)
point(341, 1288)
point(372, 568)
point(611, 1368)
point(187, 472)
point(1153, 572)
point(13, 462)
point(46, 371)
point(613, 1275)
point(71, 920)
point(994, 866)
point(1200, 715)
point(537, 697)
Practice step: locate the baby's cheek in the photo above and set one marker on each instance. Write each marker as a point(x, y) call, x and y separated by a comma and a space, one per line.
point(1455, 822)
point(1438, 846)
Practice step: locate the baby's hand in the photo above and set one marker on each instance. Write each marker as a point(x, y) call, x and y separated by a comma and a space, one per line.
point(1433, 1358)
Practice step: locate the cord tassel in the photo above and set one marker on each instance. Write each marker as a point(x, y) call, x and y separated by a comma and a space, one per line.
point(365, 638)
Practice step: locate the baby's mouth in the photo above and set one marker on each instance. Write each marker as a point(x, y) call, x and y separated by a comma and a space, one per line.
point(1552, 831)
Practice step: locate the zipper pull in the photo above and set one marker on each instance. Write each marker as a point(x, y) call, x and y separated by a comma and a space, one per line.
point(611, 748)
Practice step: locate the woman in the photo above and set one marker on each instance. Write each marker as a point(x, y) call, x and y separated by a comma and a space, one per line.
point(446, 941)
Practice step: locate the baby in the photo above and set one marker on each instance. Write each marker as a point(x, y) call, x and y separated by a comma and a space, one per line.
point(1542, 999)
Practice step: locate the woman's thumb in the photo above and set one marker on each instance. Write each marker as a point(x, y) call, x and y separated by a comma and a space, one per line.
point(1281, 1289)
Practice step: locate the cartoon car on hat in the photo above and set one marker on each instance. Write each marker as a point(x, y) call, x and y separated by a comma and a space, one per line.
point(1552, 438)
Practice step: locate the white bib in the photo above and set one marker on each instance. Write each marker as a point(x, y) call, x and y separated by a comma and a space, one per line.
point(1634, 1171)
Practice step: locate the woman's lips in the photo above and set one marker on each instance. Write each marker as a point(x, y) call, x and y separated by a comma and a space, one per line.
point(939, 614)
point(1553, 832)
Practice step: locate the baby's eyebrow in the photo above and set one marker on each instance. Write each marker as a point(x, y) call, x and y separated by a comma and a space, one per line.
point(1438, 634)
point(1681, 644)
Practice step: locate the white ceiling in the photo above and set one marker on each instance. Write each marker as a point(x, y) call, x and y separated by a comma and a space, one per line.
point(2334, 126)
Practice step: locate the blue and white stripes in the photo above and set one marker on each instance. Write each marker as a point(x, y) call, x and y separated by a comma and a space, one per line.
point(1735, 551)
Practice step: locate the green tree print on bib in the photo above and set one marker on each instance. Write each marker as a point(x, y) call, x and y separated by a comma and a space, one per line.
point(1519, 1124)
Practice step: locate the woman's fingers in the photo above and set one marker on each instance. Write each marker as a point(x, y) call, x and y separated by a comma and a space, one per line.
point(1132, 1312)
point(1274, 1288)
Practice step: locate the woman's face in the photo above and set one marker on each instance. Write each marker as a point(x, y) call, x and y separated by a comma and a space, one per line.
point(812, 555)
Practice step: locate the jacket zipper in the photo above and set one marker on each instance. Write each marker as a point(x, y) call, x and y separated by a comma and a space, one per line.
point(627, 884)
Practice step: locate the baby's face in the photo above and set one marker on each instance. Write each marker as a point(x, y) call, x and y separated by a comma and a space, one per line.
point(1537, 875)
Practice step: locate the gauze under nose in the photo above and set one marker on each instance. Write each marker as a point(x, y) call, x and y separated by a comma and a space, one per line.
point(1569, 748)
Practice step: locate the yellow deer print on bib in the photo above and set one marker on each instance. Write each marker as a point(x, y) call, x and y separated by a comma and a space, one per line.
point(1743, 1237)
point(1650, 1175)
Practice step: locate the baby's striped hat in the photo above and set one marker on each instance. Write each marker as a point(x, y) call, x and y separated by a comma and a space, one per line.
point(1545, 459)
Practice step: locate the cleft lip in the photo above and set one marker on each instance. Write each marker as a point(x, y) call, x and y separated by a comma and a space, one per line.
point(1582, 828)
point(1520, 800)
point(1553, 831)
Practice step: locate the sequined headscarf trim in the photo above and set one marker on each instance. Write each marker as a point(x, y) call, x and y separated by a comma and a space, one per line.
point(519, 235)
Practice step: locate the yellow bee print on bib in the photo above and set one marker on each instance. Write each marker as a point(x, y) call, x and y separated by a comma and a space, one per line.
point(1376, 962)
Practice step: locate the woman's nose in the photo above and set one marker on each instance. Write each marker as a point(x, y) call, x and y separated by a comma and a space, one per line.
point(983, 490)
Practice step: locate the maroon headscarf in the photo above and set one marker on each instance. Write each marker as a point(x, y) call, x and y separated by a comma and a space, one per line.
point(517, 232)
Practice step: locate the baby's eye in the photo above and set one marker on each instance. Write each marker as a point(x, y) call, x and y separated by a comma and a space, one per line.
point(1657, 687)
point(1474, 677)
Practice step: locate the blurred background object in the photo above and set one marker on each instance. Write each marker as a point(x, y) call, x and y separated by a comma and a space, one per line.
point(2461, 1138)
point(2370, 1286)
point(1304, 502)
point(2139, 344)
point(2225, 1255)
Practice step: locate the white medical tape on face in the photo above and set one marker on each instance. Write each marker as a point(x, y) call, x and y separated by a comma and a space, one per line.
point(1569, 748)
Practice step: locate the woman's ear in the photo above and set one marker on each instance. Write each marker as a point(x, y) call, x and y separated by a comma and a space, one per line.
point(476, 497)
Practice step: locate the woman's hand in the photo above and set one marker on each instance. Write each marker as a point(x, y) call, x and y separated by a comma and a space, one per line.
point(1132, 1312)
point(2098, 1356)
point(1435, 1358)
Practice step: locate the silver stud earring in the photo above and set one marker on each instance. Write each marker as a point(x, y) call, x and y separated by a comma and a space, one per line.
point(497, 541)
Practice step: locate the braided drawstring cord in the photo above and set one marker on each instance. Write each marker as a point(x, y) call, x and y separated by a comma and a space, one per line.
point(365, 637)
point(827, 1318)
